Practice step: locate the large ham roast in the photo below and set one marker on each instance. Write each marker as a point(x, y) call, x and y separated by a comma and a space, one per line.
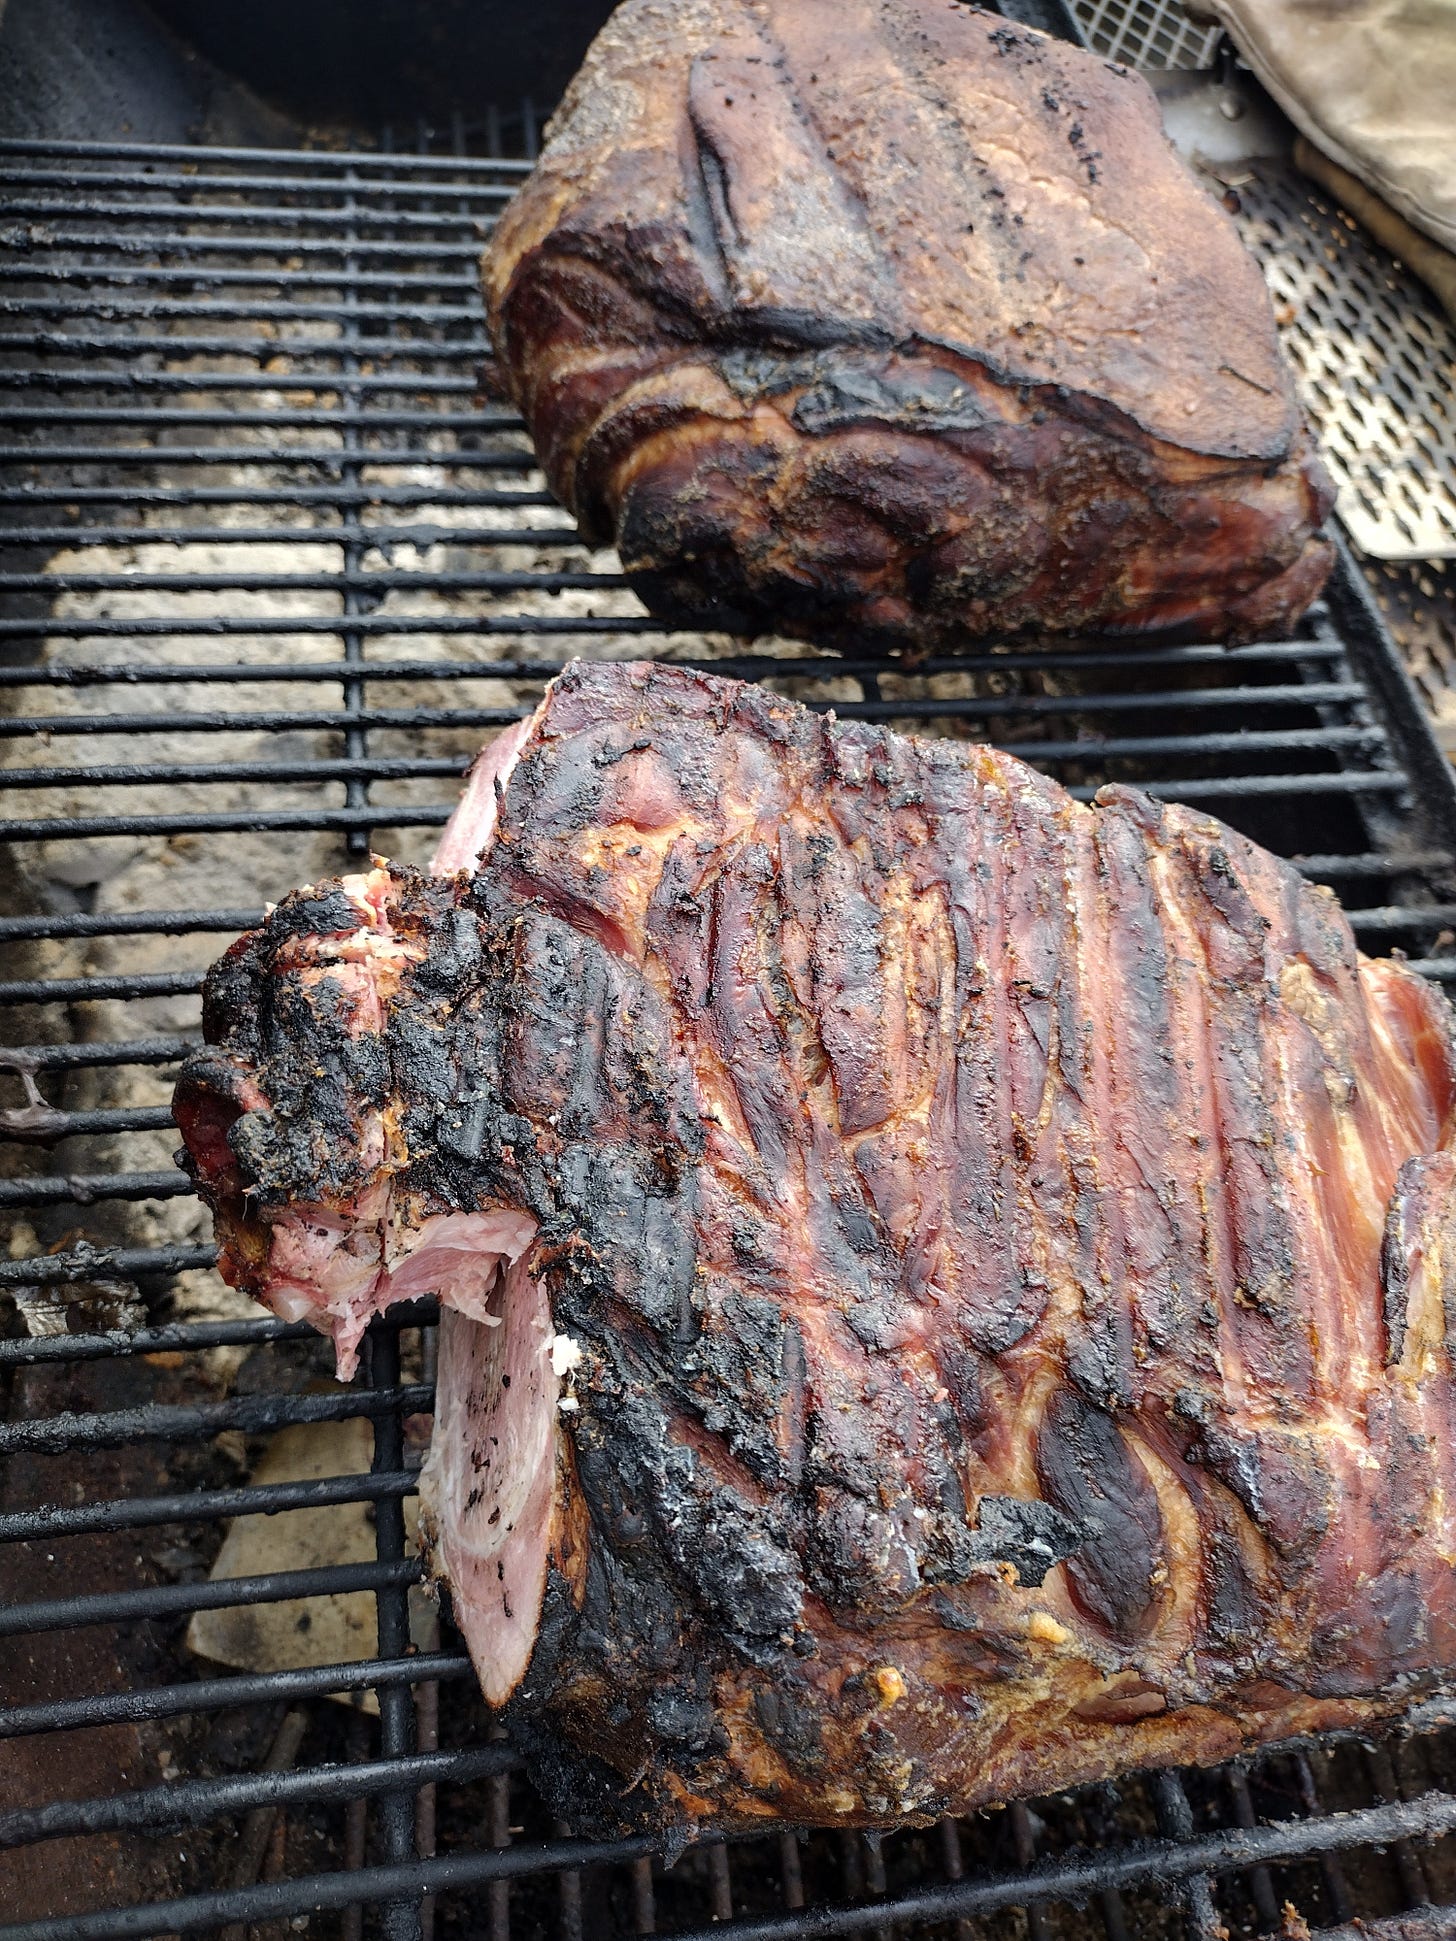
point(888, 321)
point(948, 1293)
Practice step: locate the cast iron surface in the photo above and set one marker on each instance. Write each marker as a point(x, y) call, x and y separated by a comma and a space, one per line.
point(274, 563)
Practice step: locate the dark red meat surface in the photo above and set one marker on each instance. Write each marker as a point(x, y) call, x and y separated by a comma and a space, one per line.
point(948, 1290)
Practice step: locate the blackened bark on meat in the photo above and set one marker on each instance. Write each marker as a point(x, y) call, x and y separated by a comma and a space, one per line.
point(1005, 1248)
point(883, 322)
point(1088, 1471)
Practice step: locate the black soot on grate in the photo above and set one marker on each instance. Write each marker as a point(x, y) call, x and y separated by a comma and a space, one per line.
point(274, 566)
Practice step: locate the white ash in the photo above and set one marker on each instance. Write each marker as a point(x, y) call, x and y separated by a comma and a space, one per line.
point(245, 869)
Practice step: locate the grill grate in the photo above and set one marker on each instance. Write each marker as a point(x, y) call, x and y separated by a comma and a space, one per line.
point(272, 569)
point(1373, 351)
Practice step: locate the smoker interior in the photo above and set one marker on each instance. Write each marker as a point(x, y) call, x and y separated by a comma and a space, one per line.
point(274, 567)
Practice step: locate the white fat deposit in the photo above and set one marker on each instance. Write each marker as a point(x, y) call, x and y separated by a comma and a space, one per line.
point(565, 1355)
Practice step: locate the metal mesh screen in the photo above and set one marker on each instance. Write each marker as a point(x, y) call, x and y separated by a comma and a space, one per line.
point(1373, 352)
point(1146, 33)
point(1418, 599)
point(274, 566)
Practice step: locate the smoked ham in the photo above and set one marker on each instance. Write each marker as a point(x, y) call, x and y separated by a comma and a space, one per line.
point(894, 322)
point(947, 1291)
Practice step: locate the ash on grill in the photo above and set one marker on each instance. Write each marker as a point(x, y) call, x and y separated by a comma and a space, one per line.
point(274, 567)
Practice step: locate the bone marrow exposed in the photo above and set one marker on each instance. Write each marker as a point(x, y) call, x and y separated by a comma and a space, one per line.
point(946, 1290)
point(894, 321)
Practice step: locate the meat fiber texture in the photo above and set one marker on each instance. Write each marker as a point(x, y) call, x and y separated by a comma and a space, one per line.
point(947, 1291)
point(890, 321)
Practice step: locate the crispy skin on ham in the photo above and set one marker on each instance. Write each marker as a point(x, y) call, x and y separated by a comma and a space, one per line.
point(893, 321)
point(975, 1271)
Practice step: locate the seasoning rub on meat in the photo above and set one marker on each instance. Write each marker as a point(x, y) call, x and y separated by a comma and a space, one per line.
point(947, 1291)
point(894, 321)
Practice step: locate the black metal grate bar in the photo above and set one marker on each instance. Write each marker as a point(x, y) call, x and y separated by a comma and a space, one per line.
point(65, 415)
point(301, 495)
point(252, 1414)
point(121, 1051)
point(423, 170)
point(133, 344)
point(194, 1803)
point(413, 250)
point(45, 1126)
point(131, 923)
point(1175, 1819)
point(463, 188)
point(180, 1600)
point(139, 382)
point(145, 1512)
point(239, 216)
point(1069, 1878)
point(748, 667)
point(171, 456)
point(261, 628)
point(268, 310)
point(293, 342)
point(378, 537)
point(86, 1189)
point(131, 274)
point(195, 1335)
point(225, 1694)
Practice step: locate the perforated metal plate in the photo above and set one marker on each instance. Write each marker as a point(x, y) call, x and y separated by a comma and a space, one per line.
point(1418, 600)
point(1145, 33)
point(1375, 358)
point(1375, 354)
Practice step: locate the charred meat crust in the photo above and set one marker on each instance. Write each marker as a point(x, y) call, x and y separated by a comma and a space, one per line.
point(1009, 1247)
point(890, 322)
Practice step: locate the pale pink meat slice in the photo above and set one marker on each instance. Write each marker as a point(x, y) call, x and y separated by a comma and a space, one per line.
point(339, 1270)
point(471, 829)
point(488, 1487)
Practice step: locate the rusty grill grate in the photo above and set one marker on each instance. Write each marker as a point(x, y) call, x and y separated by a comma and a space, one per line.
point(273, 566)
